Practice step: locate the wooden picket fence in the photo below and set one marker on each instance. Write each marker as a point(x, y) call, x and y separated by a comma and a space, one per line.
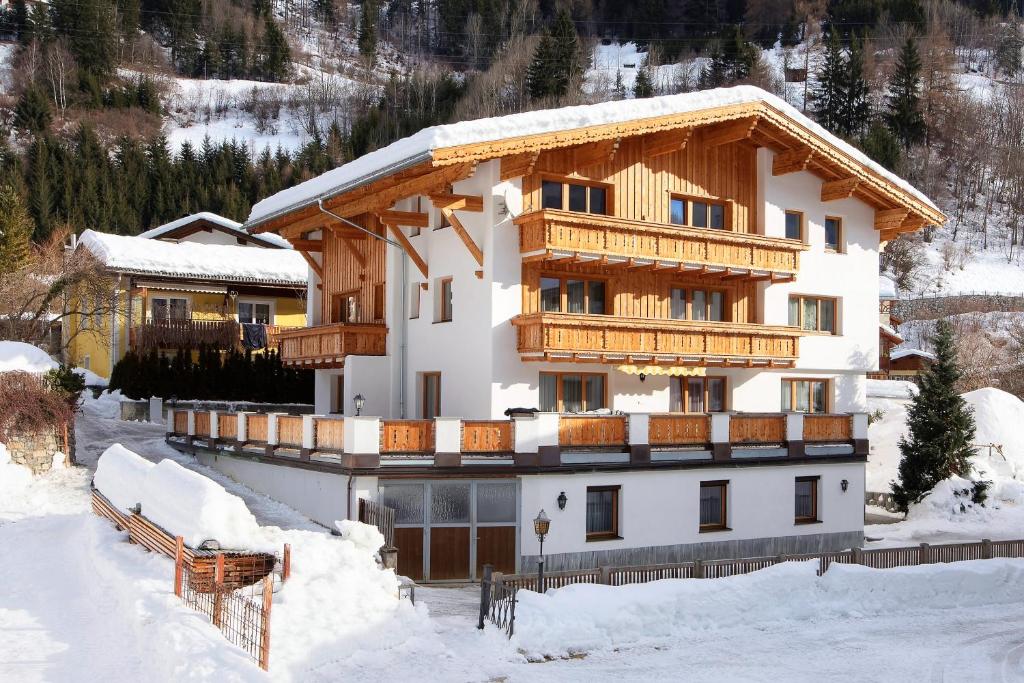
point(497, 599)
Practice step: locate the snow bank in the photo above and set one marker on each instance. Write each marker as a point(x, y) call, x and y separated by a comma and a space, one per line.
point(91, 378)
point(61, 491)
point(583, 617)
point(120, 476)
point(16, 356)
point(999, 416)
point(419, 146)
point(181, 501)
point(188, 504)
point(189, 259)
point(891, 388)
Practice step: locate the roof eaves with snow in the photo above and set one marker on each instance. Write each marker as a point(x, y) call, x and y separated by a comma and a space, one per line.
point(903, 353)
point(468, 142)
point(889, 332)
point(180, 228)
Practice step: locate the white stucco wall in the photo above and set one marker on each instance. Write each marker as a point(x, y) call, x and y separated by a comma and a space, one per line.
point(662, 507)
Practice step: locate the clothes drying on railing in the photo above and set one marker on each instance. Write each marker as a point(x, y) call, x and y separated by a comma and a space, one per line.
point(254, 335)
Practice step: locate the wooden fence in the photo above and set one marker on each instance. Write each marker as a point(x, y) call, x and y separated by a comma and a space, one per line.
point(499, 588)
point(757, 429)
point(588, 430)
point(380, 516)
point(329, 433)
point(407, 436)
point(289, 430)
point(487, 436)
point(679, 430)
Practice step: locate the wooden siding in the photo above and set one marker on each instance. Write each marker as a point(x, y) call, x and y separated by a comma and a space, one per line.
point(588, 234)
point(679, 430)
point(643, 184)
point(564, 334)
point(759, 429)
point(643, 293)
point(827, 428)
point(329, 433)
point(289, 430)
point(343, 272)
point(407, 436)
point(227, 425)
point(586, 430)
point(202, 423)
point(327, 345)
point(487, 436)
point(256, 427)
point(181, 421)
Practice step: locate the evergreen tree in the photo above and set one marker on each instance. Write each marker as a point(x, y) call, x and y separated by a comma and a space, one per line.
point(940, 425)
point(1009, 46)
point(855, 111)
point(32, 113)
point(567, 67)
point(827, 100)
point(40, 196)
point(619, 91)
point(367, 32)
point(15, 230)
point(91, 30)
point(643, 87)
point(539, 78)
point(276, 53)
point(882, 146)
point(904, 116)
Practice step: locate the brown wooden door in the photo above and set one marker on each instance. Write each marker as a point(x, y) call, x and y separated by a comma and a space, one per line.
point(409, 541)
point(496, 545)
point(449, 553)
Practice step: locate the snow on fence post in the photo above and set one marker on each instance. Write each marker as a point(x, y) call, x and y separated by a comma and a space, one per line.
point(986, 549)
point(156, 408)
point(179, 561)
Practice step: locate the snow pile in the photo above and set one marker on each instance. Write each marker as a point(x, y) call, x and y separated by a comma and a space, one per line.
point(91, 378)
point(948, 501)
point(121, 475)
point(15, 356)
point(107, 405)
point(584, 617)
point(420, 146)
point(182, 502)
point(999, 416)
point(891, 388)
point(189, 259)
point(60, 491)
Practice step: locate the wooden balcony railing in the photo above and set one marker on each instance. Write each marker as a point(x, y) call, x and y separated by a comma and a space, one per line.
point(556, 234)
point(757, 429)
point(289, 430)
point(227, 426)
point(256, 427)
point(679, 430)
point(329, 433)
point(563, 336)
point(487, 436)
point(827, 428)
point(407, 436)
point(327, 345)
point(592, 430)
point(181, 334)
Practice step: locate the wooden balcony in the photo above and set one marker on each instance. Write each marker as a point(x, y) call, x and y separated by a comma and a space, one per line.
point(185, 334)
point(614, 339)
point(326, 346)
point(557, 235)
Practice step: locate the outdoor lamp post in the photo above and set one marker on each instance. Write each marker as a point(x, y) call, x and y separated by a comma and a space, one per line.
point(360, 401)
point(541, 525)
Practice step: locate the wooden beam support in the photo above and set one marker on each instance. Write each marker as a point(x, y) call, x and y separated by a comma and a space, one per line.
point(464, 235)
point(912, 223)
point(419, 185)
point(792, 160)
point(307, 245)
point(518, 165)
point(731, 132)
point(409, 249)
point(313, 264)
point(596, 152)
point(666, 142)
point(352, 244)
point(888, 235)
point(413, 219)
point(887, 219)
point(843, 188)
point(458, 202)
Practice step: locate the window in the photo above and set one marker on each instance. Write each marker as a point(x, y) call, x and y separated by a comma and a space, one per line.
point(697, 394)
point(443, 312)
point(713, 505)
point(697, 213)
point(564, 295)
point(697, 304)
point(378, 302)
point(169, 308)
point(805, 395)
point(794, 225)
point(431, 395)
point(414, 300)
point(806, 500)
point(571, 392)
point(574, 197)
point(345, 307)
point(833, 234)
point(602, 512)
point(253, 312)
point(815, 314)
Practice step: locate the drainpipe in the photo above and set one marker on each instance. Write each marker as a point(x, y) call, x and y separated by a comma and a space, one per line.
point(401, 316)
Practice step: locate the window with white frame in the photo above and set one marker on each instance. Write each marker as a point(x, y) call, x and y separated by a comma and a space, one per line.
point(254, 312)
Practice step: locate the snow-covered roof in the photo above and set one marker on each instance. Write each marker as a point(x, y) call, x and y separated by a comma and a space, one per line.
point(422, 145)
point(887, 288)
point(903, 353)
point(216, 219)
point(190, 260)
point(889, 330)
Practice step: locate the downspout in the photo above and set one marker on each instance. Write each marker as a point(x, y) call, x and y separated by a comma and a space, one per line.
point(401, 313)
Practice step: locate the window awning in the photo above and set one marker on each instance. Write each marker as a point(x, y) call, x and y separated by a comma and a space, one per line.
point(182, 287)
point(669, 370)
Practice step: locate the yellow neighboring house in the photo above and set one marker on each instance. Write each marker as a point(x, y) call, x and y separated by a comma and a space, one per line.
point(199, 280)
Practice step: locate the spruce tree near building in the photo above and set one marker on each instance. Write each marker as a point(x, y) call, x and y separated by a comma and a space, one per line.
point(643, 87)
point(904, 116)
point(556, 66)
point(827, 95)
point(940, 427)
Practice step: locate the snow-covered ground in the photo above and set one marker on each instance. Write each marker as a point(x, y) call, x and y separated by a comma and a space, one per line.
point(78, 599)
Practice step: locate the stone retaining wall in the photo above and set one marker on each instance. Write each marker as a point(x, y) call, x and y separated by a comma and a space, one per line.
point(36, 451)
